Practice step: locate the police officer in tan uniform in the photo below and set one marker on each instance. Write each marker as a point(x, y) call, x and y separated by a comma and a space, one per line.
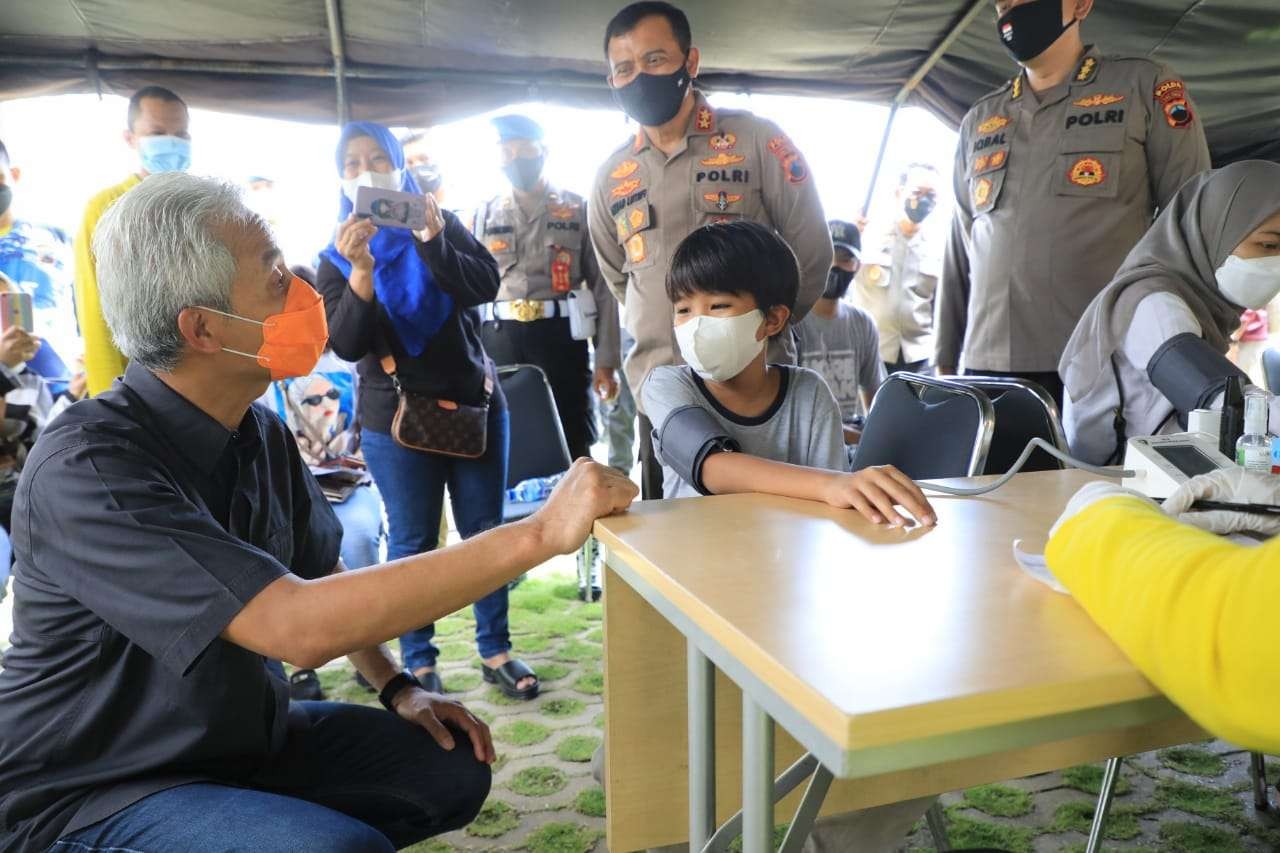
point(688, 165)
point(550, 285)
point(1057, 175)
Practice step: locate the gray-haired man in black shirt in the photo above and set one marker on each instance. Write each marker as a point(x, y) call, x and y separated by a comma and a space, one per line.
point(168, 539)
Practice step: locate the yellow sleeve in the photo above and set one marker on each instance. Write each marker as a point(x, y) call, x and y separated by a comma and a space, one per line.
point(1194, 612)
point(102, 361)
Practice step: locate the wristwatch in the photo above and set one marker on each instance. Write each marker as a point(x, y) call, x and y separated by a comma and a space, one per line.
point(398, 682)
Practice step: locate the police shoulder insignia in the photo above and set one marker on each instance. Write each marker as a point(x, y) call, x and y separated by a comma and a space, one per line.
point(981, 192)
point(723, 142)
point(1087, 69)
point(562, 211)
point(789, 158)
point(706, 119)
point(636, 249)
point(636, 218)
point(625, 188)
point(1172, 96)
point(1087, 172)
point(1016, 91)
point(625, 169)
point(1098, 101)
point(993, 124)
point(499, 245)
point(980, 163)
point(723, 159)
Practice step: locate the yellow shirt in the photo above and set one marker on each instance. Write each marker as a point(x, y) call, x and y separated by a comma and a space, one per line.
point(1195, 612)
point(102, 361)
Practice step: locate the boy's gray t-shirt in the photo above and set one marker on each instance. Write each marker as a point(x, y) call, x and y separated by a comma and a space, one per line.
point(845, 350)
point(802, 427)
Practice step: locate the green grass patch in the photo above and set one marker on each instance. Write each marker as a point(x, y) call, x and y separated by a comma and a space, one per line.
point(590, 802)
point(967, 832)
point(496, 818)
point(598, 722)
point(779, 833)
point(1193, 760)
point(999, 800)
point(593, 612)
point(1199, 800)
point(556, 624)
point(522, 733)
point(1121, 825)
point(561, 838)
point(566, 591)
point(595, 635)
point(452, 626)
point(577, 748)
point(531, 643)
point(591, 683)
point(552, 671)
point(339, 685)
point(531, 600)
point(484, 714)
point(455, 651)
point(431, 845)
point(1088, 778)
point(575, 651)
point(538, 781)
point(460, 680)
point(563, 707)
point(496, 697)
point(1186, 837)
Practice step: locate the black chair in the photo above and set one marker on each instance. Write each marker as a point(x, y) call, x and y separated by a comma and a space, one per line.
point(928, 428)
point(538, 448)
point(1024, 411)
point(1271, 369)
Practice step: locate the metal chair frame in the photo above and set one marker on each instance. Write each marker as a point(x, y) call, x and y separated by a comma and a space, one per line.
point(986, 412)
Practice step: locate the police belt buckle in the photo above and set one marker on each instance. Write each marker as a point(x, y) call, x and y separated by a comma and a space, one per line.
point(528, 310)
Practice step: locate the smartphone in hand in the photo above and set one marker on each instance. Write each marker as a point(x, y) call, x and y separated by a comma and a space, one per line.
point(391, 208)
point(15, 310)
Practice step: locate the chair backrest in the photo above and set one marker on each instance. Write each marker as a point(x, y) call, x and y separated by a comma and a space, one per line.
point(538, 448)
point(1271, 369)
point(1024, 411)
point(926, 427)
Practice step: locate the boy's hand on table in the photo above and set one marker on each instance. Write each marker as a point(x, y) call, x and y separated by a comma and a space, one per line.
point(874, 492)
point(589, 491)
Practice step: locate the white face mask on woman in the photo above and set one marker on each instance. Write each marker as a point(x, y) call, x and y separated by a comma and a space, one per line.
point(1249, 282)
point(719, 348)
point(381, 180)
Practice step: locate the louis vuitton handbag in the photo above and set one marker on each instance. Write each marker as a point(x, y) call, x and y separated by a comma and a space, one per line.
point(439, 426)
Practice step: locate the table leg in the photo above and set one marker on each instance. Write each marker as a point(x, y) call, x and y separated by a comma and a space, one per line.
point(702, 748)
point(757, 778)
point(807, 814)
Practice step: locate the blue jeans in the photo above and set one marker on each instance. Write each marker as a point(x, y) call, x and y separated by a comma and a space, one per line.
point(412, 485)
point(350, 779)
point(361, 517)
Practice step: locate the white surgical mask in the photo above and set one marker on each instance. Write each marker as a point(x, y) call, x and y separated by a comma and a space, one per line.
point(1250, 282)
point(381, 180)
point(719, 348)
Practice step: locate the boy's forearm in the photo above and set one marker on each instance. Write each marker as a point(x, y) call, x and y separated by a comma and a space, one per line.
point(737, 473)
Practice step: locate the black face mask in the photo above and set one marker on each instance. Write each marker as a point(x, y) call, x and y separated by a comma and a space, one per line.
point(524, 172)
point(838, 282)
point(653, 99)
point(428, 178)
point(918, 208)
point(1029, 29)
point(6, 198)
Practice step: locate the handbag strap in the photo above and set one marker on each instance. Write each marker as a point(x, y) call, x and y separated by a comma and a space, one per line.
point(388, 363)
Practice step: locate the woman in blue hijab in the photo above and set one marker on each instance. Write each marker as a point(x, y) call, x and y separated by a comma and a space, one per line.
point(413, 296)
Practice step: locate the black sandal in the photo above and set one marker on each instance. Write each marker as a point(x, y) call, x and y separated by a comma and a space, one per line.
point(304, 686)
point(431, 682)
point(508, 675)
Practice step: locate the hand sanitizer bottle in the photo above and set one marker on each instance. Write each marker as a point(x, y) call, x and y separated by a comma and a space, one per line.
point(1253, 449)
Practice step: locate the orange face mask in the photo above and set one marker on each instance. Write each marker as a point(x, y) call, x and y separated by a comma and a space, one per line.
point(294, 339)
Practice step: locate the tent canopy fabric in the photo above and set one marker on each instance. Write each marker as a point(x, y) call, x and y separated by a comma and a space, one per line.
point(426, 61)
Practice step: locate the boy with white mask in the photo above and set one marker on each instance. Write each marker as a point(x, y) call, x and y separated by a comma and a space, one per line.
point(1213, 252)
point(730, 422)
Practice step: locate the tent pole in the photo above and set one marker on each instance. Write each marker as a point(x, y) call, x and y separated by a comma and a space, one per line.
point(334, 15)
point(975, 7)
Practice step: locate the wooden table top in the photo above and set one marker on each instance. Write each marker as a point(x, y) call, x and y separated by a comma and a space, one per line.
point(882, 636)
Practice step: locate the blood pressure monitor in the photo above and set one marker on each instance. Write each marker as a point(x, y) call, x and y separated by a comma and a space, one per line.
point(1161, 463)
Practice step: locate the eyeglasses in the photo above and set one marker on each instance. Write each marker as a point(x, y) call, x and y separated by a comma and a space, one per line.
point(317, 399)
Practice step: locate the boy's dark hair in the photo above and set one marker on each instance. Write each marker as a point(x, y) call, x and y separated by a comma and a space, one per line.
point(626, 21)
point(738, 257)
point(158, 92)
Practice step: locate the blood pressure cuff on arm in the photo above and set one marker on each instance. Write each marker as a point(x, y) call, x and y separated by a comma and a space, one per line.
point(686, 439)
point(1190, 373)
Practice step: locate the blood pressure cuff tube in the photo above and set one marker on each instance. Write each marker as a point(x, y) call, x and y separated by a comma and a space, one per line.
point(686, 439)
point(1190, 373)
